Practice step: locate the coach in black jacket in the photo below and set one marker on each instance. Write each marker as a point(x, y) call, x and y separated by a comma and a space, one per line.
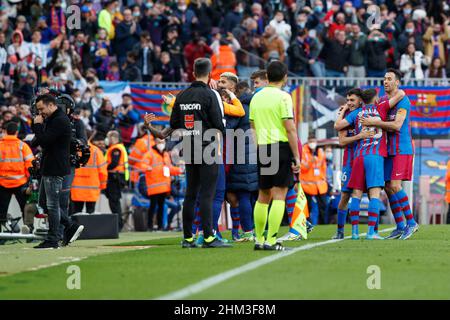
point(198, 111)
point(54, 137)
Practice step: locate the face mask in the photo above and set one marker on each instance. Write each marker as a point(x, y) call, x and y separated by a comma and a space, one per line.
point(77, 100)
point(407, 11)
point(329, 156)
point(348, 10)
point(24, 74)
point(160, 147)
point(106, 142)
point(99, 95)
point(409, 30)
point(318, 9)
point(149, 5)
point(312, 145)
point(182, 8)
point(301, 25)
point(446, 7)
point(136, 14)
point(241, 10)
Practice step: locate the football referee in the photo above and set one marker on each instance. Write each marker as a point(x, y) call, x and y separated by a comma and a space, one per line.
point(272, 118)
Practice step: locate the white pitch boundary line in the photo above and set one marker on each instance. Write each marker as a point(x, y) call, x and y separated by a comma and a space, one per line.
point(221, 277)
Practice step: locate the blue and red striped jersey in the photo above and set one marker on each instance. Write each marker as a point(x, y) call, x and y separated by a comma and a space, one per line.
point(400, 142)
point(350, 148)
point(376, 145)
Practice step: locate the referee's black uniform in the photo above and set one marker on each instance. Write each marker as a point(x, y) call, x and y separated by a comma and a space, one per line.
point(196, 110)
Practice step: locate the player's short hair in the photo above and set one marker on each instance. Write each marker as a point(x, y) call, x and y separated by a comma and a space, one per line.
point(242, 86)
point(230, 76)
point(46, 99)
point(276, 71)
point(368, 95)
point(260, 74)
point(397, 73)
point(202, 67)
point(355, 91)
point(11, 127)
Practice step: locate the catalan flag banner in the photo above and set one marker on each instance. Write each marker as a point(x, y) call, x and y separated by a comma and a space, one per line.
point(149, 100)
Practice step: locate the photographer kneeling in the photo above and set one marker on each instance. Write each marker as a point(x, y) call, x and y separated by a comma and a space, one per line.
point(54, 137)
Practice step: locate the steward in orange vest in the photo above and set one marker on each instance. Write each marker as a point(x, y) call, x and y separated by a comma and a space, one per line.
point(313, 175)
point(223, 61)
point(137, 152)
point(118, 174)
point(89, 180)
point(158, 179)
point(15, 160)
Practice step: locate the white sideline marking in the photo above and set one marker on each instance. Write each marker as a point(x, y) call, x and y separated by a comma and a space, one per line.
point(221, 277)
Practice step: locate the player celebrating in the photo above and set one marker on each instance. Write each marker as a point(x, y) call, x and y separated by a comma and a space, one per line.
point(348, 139)
point(368, 166)
point(399, 164)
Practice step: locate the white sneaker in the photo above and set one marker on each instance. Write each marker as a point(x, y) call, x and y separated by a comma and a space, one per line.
point(25, 229)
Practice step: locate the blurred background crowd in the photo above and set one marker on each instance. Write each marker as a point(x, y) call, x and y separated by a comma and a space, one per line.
point(158, 41)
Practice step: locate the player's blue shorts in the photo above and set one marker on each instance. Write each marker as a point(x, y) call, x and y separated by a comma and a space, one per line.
point(345, 178)
point(367, 171)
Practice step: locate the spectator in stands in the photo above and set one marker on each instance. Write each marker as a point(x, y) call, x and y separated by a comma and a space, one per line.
point(3, 52)
point(317, 16)
point(436, 70)
point(406, 15)
point(409, 35)
point(259, 17)
point(127, 36)
point(195, 49)
point(234, 16)
point(300, 54)
point(82, 48)
point(146, 56)
point(336, 54)
point(434, 41)
point(174, 47)
point(155, 21)
point(349, 12)
point(273, 45)
point(21, 26)
point(104, 119)
point(106, 17)
point(130, 70)
point(411, 63)
point(128, 118)
point(97, 100)
point(66, 57)
point(18, 47)
point(248, 58)
point(338, 24)
point(357, 60)
point(282, 29)
point(56, 18)
point(187, 20)
point(88, 22)
point(376, 47)
point(205, 15)
point(165, 70)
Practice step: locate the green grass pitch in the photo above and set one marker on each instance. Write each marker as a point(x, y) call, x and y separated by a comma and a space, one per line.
point(116, 269)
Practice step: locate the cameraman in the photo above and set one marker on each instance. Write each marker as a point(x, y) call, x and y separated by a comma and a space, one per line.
point(54, 137)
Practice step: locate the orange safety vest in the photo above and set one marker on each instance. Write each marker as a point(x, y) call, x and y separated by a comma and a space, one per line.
point(447, 194)
point(224, 61)
point(313, 172)
point(137, 152)
point(122, 167)
point(15, 159)
point(160, 169)
point(90, 179)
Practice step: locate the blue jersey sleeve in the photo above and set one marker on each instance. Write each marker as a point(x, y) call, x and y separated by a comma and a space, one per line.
point(351, 118)
point(404, 104)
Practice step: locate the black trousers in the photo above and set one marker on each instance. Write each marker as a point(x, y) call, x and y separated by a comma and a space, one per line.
point(200, 178)
point(5, 198)
point(78, 206)
point(156, 200)
point(448, 214)
point(321, 203)
point(114, 193)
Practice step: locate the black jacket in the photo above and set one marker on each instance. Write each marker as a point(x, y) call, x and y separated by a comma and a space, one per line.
point(195, 106)
point(54, 138)
point(376, 58)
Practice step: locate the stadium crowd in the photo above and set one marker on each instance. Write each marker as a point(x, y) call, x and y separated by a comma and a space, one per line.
point(158, 41)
